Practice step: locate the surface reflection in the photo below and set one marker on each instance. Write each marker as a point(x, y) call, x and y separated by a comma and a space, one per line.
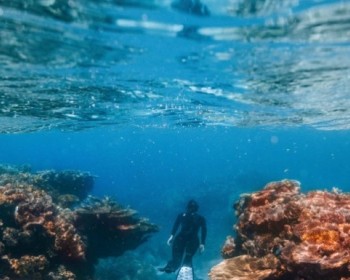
point(77, 64)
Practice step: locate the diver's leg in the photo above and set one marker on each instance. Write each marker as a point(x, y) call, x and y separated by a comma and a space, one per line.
point(177, 254)
point(191, 248)
point(178, 251)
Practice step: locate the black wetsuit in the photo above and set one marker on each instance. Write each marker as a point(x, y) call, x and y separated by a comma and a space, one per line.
point(187, 241)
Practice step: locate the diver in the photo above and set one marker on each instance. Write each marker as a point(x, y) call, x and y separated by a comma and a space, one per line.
point(186, 242)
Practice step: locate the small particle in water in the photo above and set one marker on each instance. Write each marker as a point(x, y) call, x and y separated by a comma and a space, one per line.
point(274, 139)
point(1, 12)
point(46, 3)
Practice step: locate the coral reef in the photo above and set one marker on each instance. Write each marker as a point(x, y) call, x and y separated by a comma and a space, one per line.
point(27, 265)
point(39, 239)
point(66, 187)
point(228, 250)
point(289, 234)
point(110, 228)
point(246, 267)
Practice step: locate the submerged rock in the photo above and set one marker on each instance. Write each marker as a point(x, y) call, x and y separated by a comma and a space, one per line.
point(304, 236)
point(39, 239)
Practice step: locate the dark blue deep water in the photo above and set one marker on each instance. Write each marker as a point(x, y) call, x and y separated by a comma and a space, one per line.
point(164, 101)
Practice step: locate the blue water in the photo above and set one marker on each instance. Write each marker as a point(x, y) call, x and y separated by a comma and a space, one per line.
point(157, 170)
point(164, 104)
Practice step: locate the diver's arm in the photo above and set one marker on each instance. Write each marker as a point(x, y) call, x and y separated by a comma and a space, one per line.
point(204, 231)
point(176, 224)
point(203, 235)
point(174, 230)
point(170, 240)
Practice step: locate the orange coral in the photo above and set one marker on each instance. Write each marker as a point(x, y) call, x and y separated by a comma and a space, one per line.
point(127, 227)
point(26, 266)
point(309, 234)
point(67, 240)
point(38, 210)
point(8, 194)
point(327, 240)
point(228, 250)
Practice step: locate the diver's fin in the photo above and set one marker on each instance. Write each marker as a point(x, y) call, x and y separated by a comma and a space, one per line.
point(185, 273)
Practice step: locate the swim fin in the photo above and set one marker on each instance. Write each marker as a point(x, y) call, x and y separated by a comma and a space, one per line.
point(185, 273)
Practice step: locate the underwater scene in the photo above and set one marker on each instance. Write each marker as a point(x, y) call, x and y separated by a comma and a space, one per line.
point(174, 139)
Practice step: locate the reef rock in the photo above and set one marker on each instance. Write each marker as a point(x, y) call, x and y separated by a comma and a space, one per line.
point(39, 239)
point(308, 235)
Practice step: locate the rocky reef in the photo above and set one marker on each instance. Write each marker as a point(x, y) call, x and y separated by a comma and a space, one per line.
point(284, 234)
point(51, 229)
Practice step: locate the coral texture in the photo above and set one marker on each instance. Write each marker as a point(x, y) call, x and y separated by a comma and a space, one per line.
point(228, 250)
point(27, 265)
point(39, 239)
point(245, 267)
point(307, 233)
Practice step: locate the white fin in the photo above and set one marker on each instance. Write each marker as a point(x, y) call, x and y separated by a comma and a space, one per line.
point(185, 273)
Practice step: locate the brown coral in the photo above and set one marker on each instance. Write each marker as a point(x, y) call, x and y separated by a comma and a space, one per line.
point(67, 240)
point(309, 234)
point(41, 240)
point(27, 266)
point(111, 228)
point(36, 209)
point(228, 250)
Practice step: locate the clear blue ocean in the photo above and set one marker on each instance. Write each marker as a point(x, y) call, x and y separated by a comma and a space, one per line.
point(164, 101)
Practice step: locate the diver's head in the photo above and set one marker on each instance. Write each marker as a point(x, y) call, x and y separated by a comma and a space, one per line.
point(192, 206)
